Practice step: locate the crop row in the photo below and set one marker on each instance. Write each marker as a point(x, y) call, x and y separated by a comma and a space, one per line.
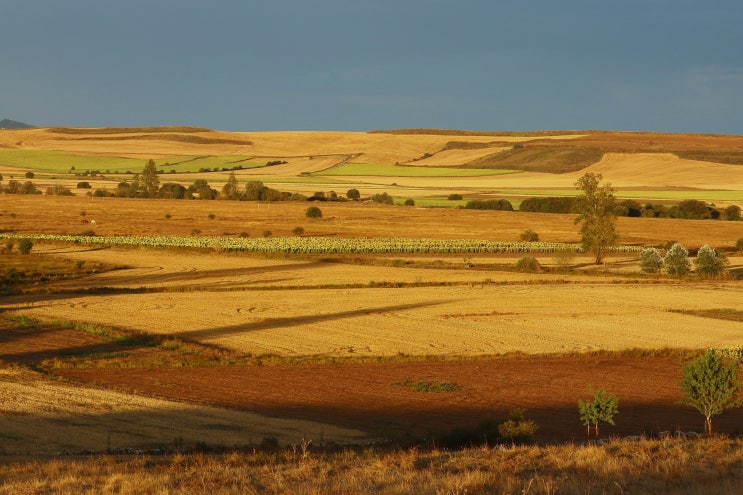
point(322, 245)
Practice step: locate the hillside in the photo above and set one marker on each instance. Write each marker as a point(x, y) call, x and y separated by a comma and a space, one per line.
point(13, 124)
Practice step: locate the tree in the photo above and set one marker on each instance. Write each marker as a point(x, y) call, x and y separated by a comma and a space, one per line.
point(650, 260)
point(601, 409)
point(710, 262)
point(731, 213)
point(231, 189)
point(149, 181)
point(676, 260)
point(710, 385)
point(595, 208)
point(353, 194)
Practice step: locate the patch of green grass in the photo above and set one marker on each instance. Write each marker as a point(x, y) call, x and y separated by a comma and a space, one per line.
point(423, 386)
point(21, 321)
point(60, 162)
point(365, 169)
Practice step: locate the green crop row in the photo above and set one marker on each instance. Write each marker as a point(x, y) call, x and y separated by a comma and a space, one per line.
point(323, 245)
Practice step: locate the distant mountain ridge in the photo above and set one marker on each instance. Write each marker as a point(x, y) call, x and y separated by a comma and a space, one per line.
point(13, 124)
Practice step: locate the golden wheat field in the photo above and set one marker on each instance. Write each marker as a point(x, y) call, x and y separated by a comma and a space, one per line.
point(393, 306)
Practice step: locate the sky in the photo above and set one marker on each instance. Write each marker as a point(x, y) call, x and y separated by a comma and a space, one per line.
point(357, 65)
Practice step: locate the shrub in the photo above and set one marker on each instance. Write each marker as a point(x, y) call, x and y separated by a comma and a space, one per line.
point(490, 204)
point(212, 216)
point(676, 260)
point(313, 212)
point(29, 175)
point(528, 264)
point(353, 194)
point(650, 260)
point(529, 236)
point(739, 244)
point(709, 262)
point(693, 209)
point(409, 202)
point(383, 198)
point(548, 204)
point(25, 245)
point(298, 231)
point(516, 428)
point(267, 233)
point(84, 185)
point(731, 213)
point(454, 197)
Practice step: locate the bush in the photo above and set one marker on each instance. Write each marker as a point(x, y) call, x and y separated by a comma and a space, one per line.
point(454, 197)
point(548, 204)
point(298, 231)
point(528, 264)
point(29, 175)
point(383, 198)
point(353, 194)
point(650, 260)
point(731, 213)
point(676, 260)
point(25, 245)
point(313, 212)
point(267, 233)
point(84, 185)
point(709, 262)
point(739, 244)
point(517, 429)
point(409, 202)
point(529, 236)
point(490, 204)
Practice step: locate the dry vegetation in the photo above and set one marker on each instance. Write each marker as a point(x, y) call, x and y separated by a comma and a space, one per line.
point(174, 348)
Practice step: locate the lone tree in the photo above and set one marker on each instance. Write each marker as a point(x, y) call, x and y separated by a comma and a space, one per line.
point(601, 409)
point(149, 181)
point(595, 208)
point(710, 385)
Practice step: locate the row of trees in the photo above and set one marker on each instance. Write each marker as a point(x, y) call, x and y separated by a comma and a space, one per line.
point(708, 263)
point(710, 384)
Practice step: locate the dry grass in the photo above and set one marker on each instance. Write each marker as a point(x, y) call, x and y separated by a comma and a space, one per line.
point(645, 466)
point(44, 416)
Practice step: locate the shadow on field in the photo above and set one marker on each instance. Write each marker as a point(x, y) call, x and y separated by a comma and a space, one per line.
point(414, 417)
point(272, 323)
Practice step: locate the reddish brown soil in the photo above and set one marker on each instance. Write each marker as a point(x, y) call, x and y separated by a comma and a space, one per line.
point(369, 397)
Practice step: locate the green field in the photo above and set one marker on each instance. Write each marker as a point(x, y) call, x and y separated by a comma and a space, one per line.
point(364, 169)
point(633, 194)
point(59, 162)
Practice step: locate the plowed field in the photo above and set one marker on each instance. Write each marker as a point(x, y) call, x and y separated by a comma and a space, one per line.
point(369, 397)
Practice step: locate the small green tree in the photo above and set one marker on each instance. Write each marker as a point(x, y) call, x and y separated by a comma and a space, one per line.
point(676, 260)
point(601, 409)
point(149, 180)
point(710, 385)
point(650, 260)
point(710, 262)
point(313, 212)
point(231, 189)
point(595, 208)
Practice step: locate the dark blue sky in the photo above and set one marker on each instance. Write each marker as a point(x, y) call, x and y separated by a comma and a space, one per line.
point(661, 65)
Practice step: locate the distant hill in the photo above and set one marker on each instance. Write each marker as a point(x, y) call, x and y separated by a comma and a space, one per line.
point(13, 124)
